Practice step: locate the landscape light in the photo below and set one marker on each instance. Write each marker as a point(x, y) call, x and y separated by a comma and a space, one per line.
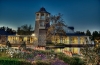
point(33, 34)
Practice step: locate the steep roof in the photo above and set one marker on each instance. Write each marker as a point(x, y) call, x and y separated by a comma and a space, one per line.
point(75, 34)
point(72, 28)
point(43, 10)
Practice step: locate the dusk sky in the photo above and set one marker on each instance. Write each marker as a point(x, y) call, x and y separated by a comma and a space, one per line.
point(82, 14)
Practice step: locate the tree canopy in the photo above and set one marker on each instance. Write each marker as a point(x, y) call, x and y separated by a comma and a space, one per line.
point(88, 33)
point(56, 27)
point(8, 44)
point(7, 29)
point(24, 30)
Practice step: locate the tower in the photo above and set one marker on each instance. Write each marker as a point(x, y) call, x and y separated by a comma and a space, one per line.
point(41, 25)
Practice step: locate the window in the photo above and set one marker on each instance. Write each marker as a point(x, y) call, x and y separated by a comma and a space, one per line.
point(37, 16)
point(42, 16)
point(72, 39)
point(41, 24)
point(46, 14)
point(81, 40)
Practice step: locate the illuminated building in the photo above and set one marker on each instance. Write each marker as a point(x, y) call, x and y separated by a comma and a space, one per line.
point(73, 41)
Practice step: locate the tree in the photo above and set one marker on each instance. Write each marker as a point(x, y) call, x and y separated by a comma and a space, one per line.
point(8, 30)
point(79, 32)
point(56, 28)
point(24, 30)
point(99, 34)
point(95, 34)
point(23, 45)
point(97, 50)
point(90, 54)
point(8, 44)
point(88, 33)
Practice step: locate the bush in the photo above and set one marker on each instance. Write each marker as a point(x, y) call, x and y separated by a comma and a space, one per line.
point(49, 43)
point(42, 63)
point(63, 57)
point(58, 62)
point(60, 44)
point(13, 62)
point(76, 61)
point(70, 60)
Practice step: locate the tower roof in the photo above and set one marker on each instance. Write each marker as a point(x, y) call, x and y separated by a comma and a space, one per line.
point(43, 10)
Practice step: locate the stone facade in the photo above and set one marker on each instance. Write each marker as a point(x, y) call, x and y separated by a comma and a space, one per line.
point(41, 26)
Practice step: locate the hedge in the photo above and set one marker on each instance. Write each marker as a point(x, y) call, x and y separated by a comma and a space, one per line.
point(13, 62)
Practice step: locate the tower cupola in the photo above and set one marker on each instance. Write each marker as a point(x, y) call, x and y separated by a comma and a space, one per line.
point(41, 18)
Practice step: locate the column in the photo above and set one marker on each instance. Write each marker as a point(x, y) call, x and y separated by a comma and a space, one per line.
point(13, 39)
point(85, 40)
point(69, 40)
point(88, 40)
point(70, 43)
point(78, 43)
point(78, 40)
point(17, 39)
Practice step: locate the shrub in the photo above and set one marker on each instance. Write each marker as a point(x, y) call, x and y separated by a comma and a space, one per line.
point(76, 61)
point(63, 57)
point(42, 63)
point(60, 44)
point(13, 62)
point(58, 62)
point(70, 60)
point(49, 43)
